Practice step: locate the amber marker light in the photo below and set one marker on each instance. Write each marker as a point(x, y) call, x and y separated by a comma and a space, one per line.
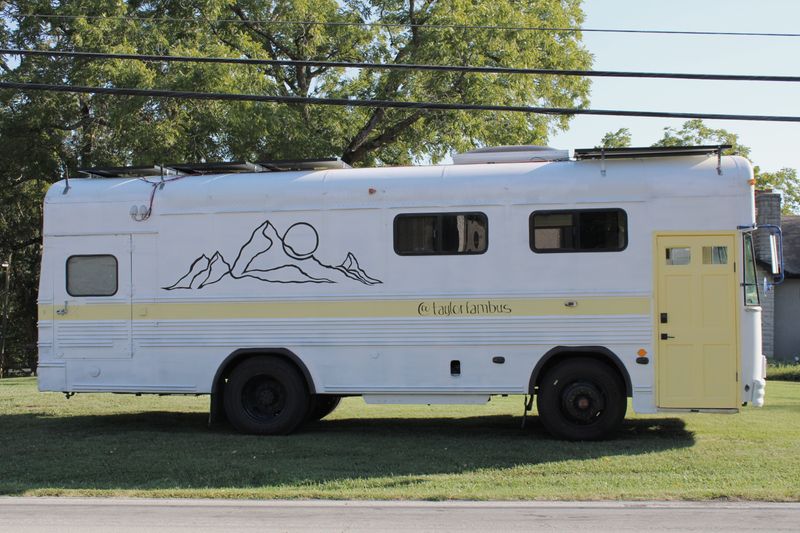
point(751, 182)
point(642, 352)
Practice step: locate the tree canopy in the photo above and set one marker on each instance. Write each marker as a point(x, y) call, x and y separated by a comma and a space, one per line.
point(616, 139)
point(45, 136)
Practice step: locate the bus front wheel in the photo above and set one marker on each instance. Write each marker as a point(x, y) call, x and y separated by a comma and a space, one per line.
point(581, 399)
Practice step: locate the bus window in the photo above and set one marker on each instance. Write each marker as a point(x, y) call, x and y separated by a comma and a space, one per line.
point(580, 230)
point(750, 283)
point(441, 233)
point(92, 275)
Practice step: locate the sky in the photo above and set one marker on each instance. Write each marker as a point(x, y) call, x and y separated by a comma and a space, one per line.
point(773, 145)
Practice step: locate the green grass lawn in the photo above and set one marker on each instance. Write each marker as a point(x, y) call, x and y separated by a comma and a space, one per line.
point(160, 447)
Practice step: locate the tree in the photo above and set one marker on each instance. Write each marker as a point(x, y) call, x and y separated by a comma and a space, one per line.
point(616, 139)
point(696, 132)
point(46, 136)
point(783, 180)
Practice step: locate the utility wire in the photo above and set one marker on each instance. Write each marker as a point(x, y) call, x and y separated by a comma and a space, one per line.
point(400, 66)
point(409, 25)
point(433, 106)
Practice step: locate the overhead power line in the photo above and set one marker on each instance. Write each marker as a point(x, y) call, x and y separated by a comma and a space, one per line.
point(433, 106)
point(408, 25)
point(400, 66)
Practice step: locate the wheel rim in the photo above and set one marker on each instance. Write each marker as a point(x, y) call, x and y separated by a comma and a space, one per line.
point(263, 397)
point(582, 402)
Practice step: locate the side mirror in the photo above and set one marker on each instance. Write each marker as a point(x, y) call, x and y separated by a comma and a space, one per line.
point(776, 254)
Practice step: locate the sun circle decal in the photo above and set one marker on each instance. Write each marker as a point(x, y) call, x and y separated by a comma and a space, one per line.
point(300, 240)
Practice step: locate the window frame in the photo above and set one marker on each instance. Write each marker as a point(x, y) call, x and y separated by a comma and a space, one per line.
point(748, 236)
point(439, 215)
point(116, 276)
point(576, 231)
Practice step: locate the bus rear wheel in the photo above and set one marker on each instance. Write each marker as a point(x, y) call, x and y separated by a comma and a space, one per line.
point(581, 399)
point(265, 396)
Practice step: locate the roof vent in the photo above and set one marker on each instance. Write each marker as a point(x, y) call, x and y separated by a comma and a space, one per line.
point(511, 154)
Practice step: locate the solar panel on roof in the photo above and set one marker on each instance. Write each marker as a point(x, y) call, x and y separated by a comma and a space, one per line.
point(128, 172)
point(223, 167)
point(648, 151)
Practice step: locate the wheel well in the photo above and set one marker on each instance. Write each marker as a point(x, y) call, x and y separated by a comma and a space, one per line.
point(238, 356)
point(217, 390)
point(562, 353)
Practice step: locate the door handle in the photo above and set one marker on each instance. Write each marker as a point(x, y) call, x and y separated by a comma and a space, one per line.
point(63, 311)
point(665, 336)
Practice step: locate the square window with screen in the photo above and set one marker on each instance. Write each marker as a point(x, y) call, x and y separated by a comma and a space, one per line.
point(715, 255)
point(583, 230)
point(92, 275)
point(679, 256)
point(441, 233)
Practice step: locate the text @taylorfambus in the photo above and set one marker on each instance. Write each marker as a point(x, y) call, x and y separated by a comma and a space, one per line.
point(467, 308)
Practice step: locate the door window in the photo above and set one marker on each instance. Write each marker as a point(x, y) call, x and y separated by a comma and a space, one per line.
point(679, 256)
point(715, 255)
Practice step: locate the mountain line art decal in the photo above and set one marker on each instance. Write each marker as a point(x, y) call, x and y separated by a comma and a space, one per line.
point(272, 258)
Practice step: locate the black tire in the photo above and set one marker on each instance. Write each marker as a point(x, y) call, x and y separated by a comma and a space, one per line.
point(322, 405)
point(265, 396)
point(581, 399)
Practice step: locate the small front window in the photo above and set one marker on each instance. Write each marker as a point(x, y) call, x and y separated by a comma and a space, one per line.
point(92, 275)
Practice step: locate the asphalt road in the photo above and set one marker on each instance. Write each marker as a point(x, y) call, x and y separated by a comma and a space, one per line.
point(123, 515)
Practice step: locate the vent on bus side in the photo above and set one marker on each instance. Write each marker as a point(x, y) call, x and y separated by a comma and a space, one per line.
point(510, 154)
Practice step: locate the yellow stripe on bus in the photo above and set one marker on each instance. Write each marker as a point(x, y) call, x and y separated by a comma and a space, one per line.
point(422, 308)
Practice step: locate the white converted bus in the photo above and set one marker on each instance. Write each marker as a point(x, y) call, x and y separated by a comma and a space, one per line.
point(279, 288)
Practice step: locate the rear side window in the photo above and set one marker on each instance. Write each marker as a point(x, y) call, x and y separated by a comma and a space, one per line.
point(441, 233)
point(92, 275)
point(582, 230)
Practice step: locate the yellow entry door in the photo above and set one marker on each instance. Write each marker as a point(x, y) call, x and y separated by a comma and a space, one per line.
point(697, 360)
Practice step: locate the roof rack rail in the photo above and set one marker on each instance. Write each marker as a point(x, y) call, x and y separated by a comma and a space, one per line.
point(225, 167)
point(648, 151)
